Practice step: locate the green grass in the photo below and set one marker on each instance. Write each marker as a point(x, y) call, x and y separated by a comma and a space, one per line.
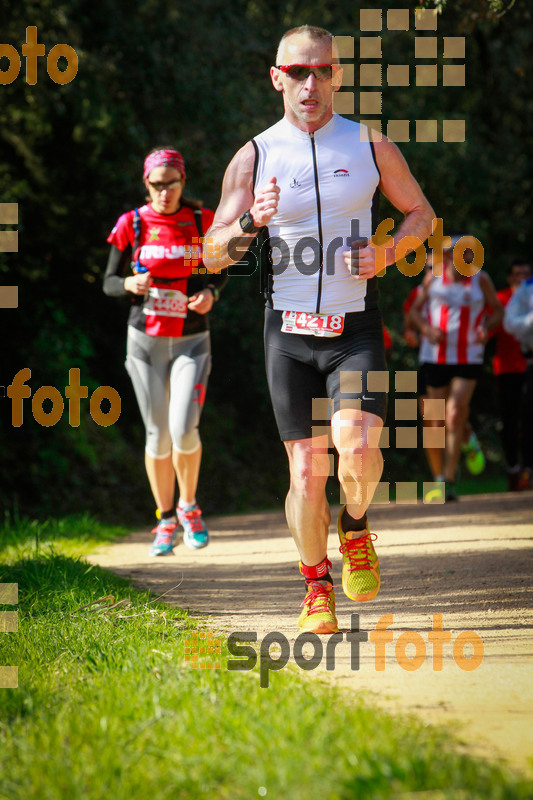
point(75, 534)
point(490, 484)
point(107, 707)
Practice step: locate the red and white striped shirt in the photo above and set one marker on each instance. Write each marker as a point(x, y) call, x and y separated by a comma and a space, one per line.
point(456, 308)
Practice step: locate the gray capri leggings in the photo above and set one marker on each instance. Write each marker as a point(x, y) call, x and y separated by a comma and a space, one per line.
point(169, 376)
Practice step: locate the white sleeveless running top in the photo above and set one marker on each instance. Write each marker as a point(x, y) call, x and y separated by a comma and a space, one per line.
point(456, 307)
point(328, 181)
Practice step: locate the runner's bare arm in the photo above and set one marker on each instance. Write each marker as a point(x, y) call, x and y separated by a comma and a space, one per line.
point(400, 187)
point(238, 197)
point(414, 314)
point(491, 299)
point(434, 335)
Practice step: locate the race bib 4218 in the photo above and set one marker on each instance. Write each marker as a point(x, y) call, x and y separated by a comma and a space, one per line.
point(312, 324)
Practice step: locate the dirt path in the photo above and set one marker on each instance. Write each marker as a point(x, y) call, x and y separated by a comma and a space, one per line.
point(471, 562)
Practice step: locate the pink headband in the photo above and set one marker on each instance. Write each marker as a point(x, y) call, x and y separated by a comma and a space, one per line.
point(164, 158)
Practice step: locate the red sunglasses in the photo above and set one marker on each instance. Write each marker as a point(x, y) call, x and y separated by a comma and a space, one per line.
point(300, 72)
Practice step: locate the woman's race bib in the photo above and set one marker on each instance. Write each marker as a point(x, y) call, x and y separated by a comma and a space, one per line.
point(165, 303)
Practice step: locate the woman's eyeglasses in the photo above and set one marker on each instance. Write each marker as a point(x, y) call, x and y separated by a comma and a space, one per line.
point(300, 72)
point(160, 187)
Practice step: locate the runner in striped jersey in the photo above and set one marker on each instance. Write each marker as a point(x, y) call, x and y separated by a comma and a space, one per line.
point(455, 328)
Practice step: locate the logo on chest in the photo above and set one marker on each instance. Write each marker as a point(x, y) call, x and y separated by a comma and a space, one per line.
point(341, 173)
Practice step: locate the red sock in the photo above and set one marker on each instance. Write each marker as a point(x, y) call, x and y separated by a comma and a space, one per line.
point(319, 572)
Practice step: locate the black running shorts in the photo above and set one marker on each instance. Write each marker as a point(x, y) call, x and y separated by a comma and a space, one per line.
point(439, 375)
point(422, 381)
point(302, 368)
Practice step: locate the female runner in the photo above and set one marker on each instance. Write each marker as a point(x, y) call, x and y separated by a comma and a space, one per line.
point(155, 258)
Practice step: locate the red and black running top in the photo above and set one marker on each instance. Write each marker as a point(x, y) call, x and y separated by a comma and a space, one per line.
point(169, 247)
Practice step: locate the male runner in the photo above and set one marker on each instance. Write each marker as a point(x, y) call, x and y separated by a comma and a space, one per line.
point(474, 457)
point(509, 366)
point(316, 175)
point(414, 338)
point(455, 329)
point(518, 321)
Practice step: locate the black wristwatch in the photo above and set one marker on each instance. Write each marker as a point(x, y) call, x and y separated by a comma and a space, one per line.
point(214, 292)
point(247, 223)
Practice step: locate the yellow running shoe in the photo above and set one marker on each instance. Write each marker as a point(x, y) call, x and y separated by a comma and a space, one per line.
point(474, 456)
point(318, 615)
point(360, 564)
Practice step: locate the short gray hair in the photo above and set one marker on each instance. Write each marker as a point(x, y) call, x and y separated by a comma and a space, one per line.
point(309, 30)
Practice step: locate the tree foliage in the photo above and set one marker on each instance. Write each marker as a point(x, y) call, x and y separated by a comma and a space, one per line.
point(71, 156)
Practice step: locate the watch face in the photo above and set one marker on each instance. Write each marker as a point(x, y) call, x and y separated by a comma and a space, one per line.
point(247, 223)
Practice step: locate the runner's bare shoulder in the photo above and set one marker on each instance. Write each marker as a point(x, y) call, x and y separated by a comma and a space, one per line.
point(237, 187)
